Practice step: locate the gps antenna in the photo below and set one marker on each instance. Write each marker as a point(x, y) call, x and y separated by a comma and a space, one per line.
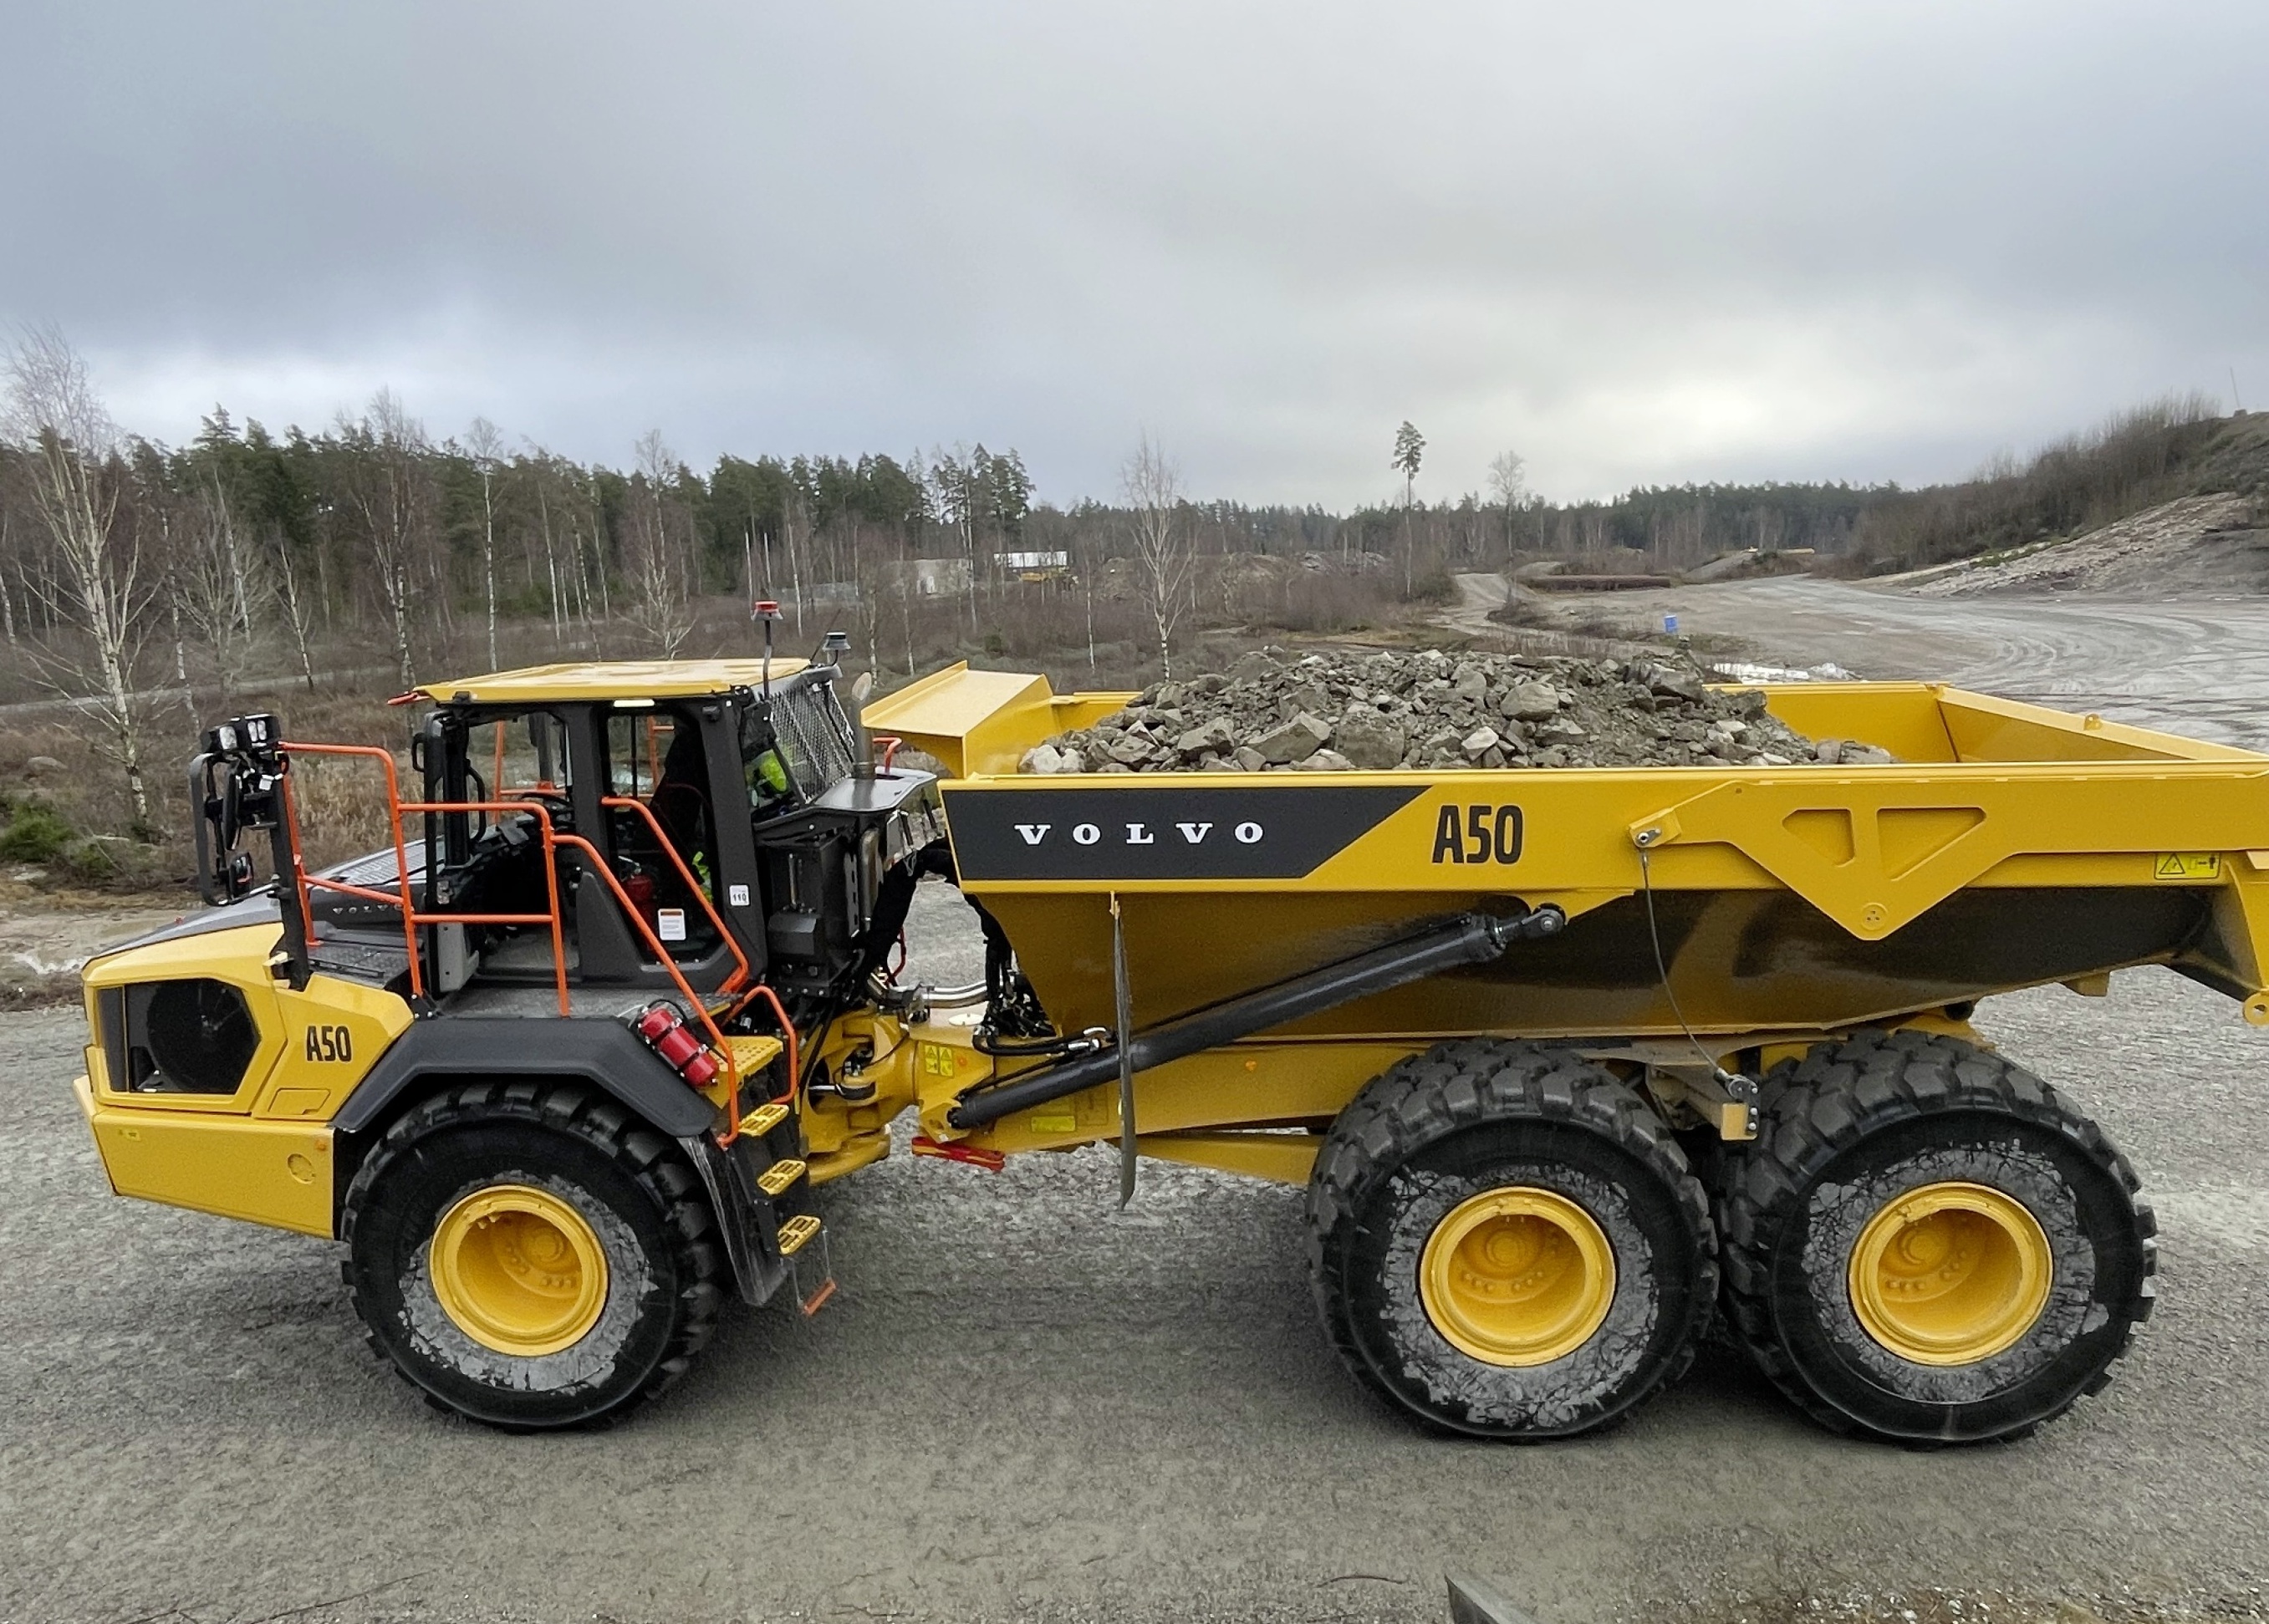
point(767, 611)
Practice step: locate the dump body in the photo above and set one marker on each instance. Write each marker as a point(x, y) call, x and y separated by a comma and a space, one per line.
point(2010, 845)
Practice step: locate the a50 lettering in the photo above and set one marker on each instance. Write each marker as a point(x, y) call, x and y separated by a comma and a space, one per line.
point(1477, 834)
point(330, 1043)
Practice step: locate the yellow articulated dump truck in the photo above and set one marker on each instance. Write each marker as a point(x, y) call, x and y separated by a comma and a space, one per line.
point(1563, 1059)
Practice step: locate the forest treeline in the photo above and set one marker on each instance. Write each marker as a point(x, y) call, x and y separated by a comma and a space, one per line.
point(373, 524)
point(125, 563)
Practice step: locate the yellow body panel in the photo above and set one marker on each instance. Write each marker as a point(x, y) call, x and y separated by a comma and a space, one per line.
point(334, 1032)
point(276, 1173)
point(609, 679)
point(264, 1152)
point(983, 721)
point(1283, 1158)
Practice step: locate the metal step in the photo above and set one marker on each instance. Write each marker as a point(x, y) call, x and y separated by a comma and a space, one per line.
point(781, 1176)
point(796, 1234)
point(764, 1119)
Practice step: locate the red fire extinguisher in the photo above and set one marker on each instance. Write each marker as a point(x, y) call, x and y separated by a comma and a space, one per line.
point(663, 1024)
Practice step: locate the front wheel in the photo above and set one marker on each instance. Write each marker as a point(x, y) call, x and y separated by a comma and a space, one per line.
point(1507, 1243)
point(531, 1256)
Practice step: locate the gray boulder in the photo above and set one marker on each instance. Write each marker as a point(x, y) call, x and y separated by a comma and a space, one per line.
point(1369, 741)
point(1303, 736)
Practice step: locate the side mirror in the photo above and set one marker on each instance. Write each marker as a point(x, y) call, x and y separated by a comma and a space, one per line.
point(236, 787)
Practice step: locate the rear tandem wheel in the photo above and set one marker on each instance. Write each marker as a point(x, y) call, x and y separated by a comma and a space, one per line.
point(1927, 1244)
point(1505, 1241)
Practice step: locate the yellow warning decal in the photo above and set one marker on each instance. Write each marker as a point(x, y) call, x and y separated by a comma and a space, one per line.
point(2186, 865)
point(937, 1059)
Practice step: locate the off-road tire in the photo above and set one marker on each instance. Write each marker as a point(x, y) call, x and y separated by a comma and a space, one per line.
point(1855, 1125)
point(1461, 1119)
point(666, 1269)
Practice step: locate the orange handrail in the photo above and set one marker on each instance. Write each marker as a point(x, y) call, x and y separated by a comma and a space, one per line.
point(693, 884)
point(299, 877)
point(550, 881)
point(553, 840)
point(717, 1038)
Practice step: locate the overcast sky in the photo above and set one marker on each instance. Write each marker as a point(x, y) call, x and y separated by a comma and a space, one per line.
point(1640, 242)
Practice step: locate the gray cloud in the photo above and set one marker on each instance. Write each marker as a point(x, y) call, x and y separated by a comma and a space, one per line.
point(1641, 241)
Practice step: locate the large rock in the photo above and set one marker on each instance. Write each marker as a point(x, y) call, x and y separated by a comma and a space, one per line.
point(1531, 701)
point(1216, 735)
point(1675, 684)
point(1369, 741)
point(1304, 735)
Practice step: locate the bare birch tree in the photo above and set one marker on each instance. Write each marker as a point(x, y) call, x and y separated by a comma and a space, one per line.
point(1164, 552)
point(1508, 484)
point(292, 598)
point(391, 448)
point(486, 445)
point(660, 576)
point(97, 588)
point(215, 584)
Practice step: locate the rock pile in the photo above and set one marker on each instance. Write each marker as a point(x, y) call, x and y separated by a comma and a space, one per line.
point(1272, 712)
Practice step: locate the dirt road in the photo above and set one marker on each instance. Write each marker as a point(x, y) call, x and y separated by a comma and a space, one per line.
point(1027, 1404)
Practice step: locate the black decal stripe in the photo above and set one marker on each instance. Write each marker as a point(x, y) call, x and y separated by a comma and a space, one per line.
point(1301, 827)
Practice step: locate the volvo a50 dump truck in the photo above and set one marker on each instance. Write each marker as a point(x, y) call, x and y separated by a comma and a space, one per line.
point(1565, 1060)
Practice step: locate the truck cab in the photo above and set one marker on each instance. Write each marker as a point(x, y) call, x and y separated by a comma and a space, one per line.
point(733, 807)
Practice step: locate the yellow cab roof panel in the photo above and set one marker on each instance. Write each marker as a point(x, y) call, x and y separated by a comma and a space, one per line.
point(610, 679)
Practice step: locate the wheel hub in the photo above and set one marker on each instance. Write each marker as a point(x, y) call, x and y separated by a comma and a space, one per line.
point(1951, 1274)
point(519, 1270)
point(1517, 1276)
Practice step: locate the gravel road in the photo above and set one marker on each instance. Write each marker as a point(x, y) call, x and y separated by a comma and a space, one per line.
point(1025, 1403)
point(2195, 665)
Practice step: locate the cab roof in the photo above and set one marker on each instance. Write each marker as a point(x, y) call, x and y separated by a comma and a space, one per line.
point(609, 679)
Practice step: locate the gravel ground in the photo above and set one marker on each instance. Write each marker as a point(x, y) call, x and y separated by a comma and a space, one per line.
point(2194, 665)
point(1026, 1404)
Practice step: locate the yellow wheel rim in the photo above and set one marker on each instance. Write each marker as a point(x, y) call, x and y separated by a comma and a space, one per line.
point(1517, 1276)
point(519, 1270)
point(1951, 1273)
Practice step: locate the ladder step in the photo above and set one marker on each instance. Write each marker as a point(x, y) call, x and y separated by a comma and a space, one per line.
point(775, 1179)
point(764, 1119)
point(796, 1234)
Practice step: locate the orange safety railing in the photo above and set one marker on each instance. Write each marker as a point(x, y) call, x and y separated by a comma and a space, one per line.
point(692, 883)
point(403, 898)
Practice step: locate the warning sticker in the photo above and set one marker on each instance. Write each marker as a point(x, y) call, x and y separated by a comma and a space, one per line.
point(2186, 865)
point(937, 1059)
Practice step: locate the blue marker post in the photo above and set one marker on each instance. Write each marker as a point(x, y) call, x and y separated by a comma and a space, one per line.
point(1670, 623)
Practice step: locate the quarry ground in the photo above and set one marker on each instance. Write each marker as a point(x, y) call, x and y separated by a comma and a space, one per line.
point(2194, 664)
point(1026, 1404)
